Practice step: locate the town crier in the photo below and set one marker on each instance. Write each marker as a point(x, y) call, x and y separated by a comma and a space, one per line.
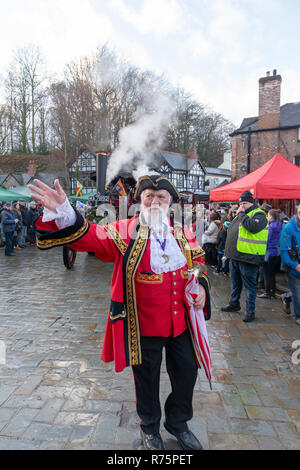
point(147, 311)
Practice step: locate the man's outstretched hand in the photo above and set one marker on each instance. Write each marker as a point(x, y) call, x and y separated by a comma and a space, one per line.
point(50, 198)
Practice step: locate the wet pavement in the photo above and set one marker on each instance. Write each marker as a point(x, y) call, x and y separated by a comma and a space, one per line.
point(55, 393)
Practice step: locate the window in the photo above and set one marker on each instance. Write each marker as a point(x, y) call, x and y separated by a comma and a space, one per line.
point(196, 169)
point(166, 171)
point(297, 160)
point(195, 182)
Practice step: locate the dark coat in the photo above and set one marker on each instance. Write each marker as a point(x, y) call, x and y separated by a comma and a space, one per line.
point(25, 215)
point(222, 235)
point(253, 225)
point(8, 221)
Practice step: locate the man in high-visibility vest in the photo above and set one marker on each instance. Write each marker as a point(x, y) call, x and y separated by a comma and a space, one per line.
point(246, 246)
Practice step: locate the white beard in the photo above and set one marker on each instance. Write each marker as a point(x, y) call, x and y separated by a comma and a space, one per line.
point(155, 217)
point(170, 258)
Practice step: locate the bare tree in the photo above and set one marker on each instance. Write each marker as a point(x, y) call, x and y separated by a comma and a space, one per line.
point(19, 101)
point(4, 129)
point(30, 64)
point(98, 97)
point(25, 92)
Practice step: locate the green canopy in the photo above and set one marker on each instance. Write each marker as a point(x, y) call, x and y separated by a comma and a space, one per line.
point(6, 195)
point(83, 198)
point(23, 191)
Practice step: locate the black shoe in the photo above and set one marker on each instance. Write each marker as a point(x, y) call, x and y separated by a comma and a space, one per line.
point(231, 308)
point(264, 296)
point(152, 441)
point(286, 303)
point(250, 316)
point(186, 439)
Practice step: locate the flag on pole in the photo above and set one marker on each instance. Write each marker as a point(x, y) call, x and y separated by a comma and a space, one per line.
point(79, 189)
point(120, 188)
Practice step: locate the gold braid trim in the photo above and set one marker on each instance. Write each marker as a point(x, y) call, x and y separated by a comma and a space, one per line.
point(182, 240)
point(184, 244)
point(196, 252)
point(137, 251)
point(206, 278)
point(149, 278)
point(117, 239)
point(155, 184)
point(50, 243)
point(113, 317)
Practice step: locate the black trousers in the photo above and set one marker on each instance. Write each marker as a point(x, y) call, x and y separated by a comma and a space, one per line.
point(182, 370)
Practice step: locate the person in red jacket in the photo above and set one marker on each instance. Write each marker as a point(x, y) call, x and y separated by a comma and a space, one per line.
point(147, 311)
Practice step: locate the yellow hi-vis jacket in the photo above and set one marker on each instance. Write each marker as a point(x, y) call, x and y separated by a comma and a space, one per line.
point(253, 243)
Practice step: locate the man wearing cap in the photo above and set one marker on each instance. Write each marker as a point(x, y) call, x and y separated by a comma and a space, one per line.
point(147, 311)
point(9, 225)
point(246, 246)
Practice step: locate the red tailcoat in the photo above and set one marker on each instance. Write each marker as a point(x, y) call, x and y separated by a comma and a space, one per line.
point(142, 303)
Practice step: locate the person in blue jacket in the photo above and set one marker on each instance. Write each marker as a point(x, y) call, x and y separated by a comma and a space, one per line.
point(9, 225)
point(290, 257)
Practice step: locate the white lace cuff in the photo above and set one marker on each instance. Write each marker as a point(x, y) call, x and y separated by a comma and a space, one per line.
point(64, 216)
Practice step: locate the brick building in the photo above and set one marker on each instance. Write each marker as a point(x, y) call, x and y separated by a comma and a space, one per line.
point(276, 129)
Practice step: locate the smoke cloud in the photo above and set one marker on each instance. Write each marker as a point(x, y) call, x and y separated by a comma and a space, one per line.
point(146, 135)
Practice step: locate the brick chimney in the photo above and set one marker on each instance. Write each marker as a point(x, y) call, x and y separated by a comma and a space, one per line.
point(269, 100)
point(192, 154)
point(31, 169)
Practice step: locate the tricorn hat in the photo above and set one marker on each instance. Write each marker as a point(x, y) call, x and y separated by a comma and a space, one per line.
point(155, 182)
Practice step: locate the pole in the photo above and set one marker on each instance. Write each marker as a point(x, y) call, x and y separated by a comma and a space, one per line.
point(101, 167)
point(249, 150)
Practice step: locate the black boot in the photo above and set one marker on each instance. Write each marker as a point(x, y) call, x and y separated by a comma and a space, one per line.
point(186, 439)
point(231, 308)
point(152, 441)
point(250, 316)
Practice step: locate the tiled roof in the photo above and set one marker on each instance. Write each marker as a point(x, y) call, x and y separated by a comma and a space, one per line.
point(289, 117)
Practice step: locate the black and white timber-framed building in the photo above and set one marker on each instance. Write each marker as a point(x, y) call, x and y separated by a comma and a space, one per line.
point(184, 170)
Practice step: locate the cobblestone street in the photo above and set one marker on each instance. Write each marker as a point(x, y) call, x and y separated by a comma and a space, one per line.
point(55, 393)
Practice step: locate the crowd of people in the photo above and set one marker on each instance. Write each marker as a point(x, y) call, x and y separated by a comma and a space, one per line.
point(17, 229)
point(228, 235)
point(253, 243)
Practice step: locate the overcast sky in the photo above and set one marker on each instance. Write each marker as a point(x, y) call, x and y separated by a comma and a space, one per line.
point(215, 49)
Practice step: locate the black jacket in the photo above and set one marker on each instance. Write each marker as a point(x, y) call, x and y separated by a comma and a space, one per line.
point(25, 215)
point(222, 235)
point(254, 225)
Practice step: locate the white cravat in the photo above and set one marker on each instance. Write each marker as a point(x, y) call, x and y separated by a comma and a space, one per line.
point(171, 251)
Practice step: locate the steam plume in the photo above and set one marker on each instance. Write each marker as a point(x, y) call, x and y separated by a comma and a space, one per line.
point(139, 140)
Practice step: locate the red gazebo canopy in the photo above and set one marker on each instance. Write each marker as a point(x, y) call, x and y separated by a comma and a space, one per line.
point(276, 179)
